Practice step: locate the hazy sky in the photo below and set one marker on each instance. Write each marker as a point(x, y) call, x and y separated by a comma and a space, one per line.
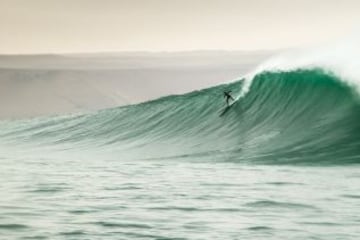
point(56, 26)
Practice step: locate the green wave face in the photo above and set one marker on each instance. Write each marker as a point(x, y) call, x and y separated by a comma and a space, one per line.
point(299, 117)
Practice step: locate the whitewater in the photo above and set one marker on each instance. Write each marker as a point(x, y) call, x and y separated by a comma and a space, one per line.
point(282, 163)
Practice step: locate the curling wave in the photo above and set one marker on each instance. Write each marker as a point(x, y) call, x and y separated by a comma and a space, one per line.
point(303, 116)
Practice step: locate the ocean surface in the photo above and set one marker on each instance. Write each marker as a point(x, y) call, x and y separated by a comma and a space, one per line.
point(281, 163)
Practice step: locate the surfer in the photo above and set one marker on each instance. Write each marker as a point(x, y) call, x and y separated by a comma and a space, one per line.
point(228, 97)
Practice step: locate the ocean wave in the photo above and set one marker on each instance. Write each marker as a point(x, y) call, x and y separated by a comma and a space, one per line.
point(301, 116)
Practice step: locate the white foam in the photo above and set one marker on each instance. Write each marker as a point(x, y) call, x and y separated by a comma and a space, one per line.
point(341, 58)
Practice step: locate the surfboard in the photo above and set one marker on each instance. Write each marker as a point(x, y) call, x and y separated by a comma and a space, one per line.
point(227, 108)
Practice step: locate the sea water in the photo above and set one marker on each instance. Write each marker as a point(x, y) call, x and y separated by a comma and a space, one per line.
point(99, 199)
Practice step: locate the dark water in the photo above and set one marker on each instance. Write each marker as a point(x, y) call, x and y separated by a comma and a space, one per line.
point(282, 163)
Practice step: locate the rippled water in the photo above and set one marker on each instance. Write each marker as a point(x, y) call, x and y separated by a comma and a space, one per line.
point(43, 198)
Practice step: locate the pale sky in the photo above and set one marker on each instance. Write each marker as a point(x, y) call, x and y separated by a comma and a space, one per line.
point(65, 26)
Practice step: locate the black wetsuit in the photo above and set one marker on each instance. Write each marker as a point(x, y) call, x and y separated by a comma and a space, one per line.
point(228, 97)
